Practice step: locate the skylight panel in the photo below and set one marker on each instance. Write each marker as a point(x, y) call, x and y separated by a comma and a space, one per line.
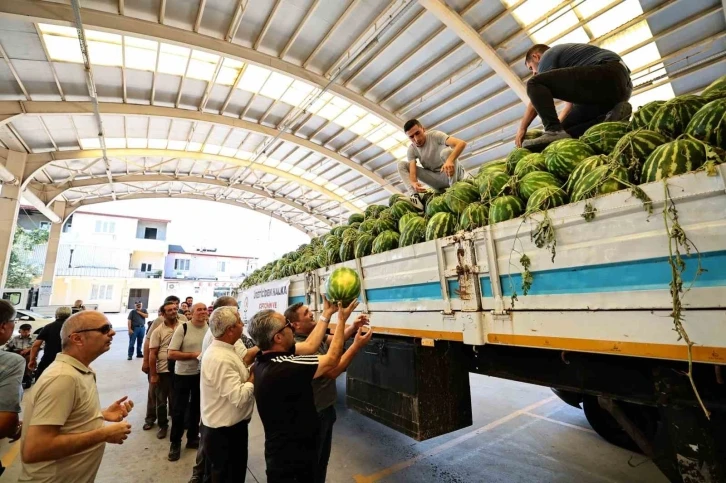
point(577, 36)
point(320, 102)
point(531, 10)
point(562, 20)
point(359, 204)
point(229, 152)
point(194, 146)
point(399, 152)
point(399, 135)
point(387, 143)
point(340, 192)
point(296, 171)
point(173, 59)
point(101, 37)
point(309, 176)
point(661, 93)
point(244, 155)
point(297, 93)
point(284, 167)
point(330, 111)
point(137, 143)
point(202, 65)
point(63, 49)
point(140, 53)
point(177, 145)
point(102, 53)
point(377, 135)
point(159, 143)
point(614, 17)
point(644, 56)
point(276, 85)
point(254, 78)
point(47, 28)
point(90, 143)
point(366, 124)
point(589, 7)
point(272, 162)
point(350, 116)
point(115, 143)
point(629, 37)
point(211, 149)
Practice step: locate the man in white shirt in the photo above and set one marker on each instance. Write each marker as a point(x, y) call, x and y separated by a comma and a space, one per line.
point(227, 400)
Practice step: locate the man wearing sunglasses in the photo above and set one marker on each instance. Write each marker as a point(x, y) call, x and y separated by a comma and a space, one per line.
point(284, 393)
point(65, 435)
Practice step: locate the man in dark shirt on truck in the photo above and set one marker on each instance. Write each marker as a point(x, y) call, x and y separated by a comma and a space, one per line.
point(594, 83)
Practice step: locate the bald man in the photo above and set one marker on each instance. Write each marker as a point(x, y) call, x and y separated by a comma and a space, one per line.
point(64, 435)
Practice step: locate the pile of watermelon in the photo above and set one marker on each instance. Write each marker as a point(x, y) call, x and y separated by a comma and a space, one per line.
point(662, 139)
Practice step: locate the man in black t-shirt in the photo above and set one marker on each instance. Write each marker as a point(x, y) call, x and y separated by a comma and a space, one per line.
point(283, 390)
point(137, 324)
point(50, 334)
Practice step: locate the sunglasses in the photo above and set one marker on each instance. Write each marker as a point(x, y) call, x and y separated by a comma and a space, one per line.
point(287, 324)
point(104, 329)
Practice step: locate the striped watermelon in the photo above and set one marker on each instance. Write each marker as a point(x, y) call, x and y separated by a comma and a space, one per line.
point(709, 123)
point(368, 226)
point(385, 224)
point(533, 133)
point(603, 137)
point(405, 219)
point(601, 180)
point(373, 211)
point(474, 216)
point(563, 156)
point(505, 208)
point(583, 168)
point(634, 148)
point(545, 198)
point(673, 117)
point(529, 163)
point(514, 157)
point(364, 245)
point(349, 233)
point(536, 180)
point(492, 185)
point(437, 204)
point(676, 157)
point(395, 197)
point(338, 230)
point(642, 117)
point(343, 285)
point(402, 207)
point(414, 232)
point(497, 165)
point(347, 249)
point(356, 218)
point(387, 240)
point(332, 241)
point(460, 195)
point(440, 225)
point(716, 88)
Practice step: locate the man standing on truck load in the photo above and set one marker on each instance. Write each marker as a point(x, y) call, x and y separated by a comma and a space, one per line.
point(438, 154)
point(594, 83)
point(324, 391)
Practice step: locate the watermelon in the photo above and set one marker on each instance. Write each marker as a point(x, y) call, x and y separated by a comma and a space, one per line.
point(709, 123)
point(460, 195)
point(347, 249)
point(563, 156)
point(385, 213)
point(405, 219)
point(474, 216)
point(529, 163)
point(440, 225)
point(343, 285)
point(333, 255)
point(716, 88)
point(603, 137)
point(676, 157)
point(426, 196)
point(497, 165)
point(414, 232)
point(583, 168)
point(533, 133)
point(642, 117)
point(514, 157)
point(373, 211)
point(395, 197)
point(601, 180)
point(332, 242)
point(387, 240)
point(385, 224)
point(437, 204)
point(505, 208)
point(492, 185)
point(401, 207)
point(545, 198)
point(634, 148)
point(364, 245)
point(338, 230)
point(673, 117)
point(355, 218)
point(368, 226)
point(536, 180)
point(349, 233)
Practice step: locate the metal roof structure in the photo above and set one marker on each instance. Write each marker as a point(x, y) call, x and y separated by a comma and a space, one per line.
point(294, 108)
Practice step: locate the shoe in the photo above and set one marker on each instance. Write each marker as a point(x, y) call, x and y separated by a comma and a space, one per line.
point(193, 443)
point(129, 358)
point(147, 426)
point(174, 452)
point(161, 434)
point(416, 201)
point(546, 139)
point(140, 356)
point(620, 112)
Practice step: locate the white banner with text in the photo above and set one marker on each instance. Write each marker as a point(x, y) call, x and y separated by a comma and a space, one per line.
point(272, 295)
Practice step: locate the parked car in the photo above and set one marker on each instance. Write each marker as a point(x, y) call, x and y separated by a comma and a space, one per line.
point(35, 319)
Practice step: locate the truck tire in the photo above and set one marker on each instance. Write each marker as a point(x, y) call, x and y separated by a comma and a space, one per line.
point(644, 417)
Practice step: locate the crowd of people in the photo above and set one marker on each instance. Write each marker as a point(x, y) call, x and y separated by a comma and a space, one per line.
point(205, 377)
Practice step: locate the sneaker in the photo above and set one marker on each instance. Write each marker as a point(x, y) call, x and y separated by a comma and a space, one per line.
point(147, 426)
point(174, 452)
point(193, 443)
point(129, 358)
point(140, 356)
point(545, 140)
point(620, 112)
point(161, 434)
point(416, 201)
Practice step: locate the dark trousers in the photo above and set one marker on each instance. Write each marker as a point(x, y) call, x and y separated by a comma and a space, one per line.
point(225, 453)
point(327, 418)
point(199, 464)
point(593, 91)
point(186, 396)
point(136, 336)
point(292, 461)
point(150, 403)
point(164, 394)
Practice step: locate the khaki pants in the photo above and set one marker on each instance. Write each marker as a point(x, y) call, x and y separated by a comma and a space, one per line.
point(164, 398)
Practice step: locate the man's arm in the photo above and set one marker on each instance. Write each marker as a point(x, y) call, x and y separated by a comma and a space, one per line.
point(565, 111)
point(153, 355)
point(529, 115)
point(350, 330)
point(130, 324)
point(143, 313)
point(457, 146)
point(45, 443)
point(330, 360)
point(8, 424)
point(360, 341)
point(177, 341)
point(311, 345)
point(33, 362)
point(230, 385)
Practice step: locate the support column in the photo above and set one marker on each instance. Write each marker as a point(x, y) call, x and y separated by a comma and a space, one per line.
point(51, 255)
point(9, 206)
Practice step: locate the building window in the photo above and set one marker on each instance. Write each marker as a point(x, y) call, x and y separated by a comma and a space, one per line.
point(145, 267)
point(150, 233)
point(221, 266)
point(101, 292)
point(105, 226)
point(181, 264)
point(44, 225)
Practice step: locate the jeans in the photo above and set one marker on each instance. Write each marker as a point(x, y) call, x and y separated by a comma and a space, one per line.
point(225, 453)
point(593, 91)
point(186, 395)
point(435, 179)
point(137, 336)
point(294, 461)
point(163, 392)
point(327, 418)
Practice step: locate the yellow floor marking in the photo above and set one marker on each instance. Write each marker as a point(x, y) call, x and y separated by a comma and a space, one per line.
point(561, 423)
point(11, 454)
point(449, 444)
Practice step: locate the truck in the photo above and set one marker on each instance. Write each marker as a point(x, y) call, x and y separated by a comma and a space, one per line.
point(616, 303)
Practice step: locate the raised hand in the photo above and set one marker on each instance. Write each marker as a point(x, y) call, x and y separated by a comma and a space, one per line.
point(118, 410)
point(361, 320)
point(362, 338)
point(116, 433)
point(344, 312)
point(328, 308)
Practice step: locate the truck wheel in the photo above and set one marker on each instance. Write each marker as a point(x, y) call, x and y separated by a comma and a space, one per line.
point(644, 417)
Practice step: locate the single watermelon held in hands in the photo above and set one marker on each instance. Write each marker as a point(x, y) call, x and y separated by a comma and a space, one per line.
point(343, 285)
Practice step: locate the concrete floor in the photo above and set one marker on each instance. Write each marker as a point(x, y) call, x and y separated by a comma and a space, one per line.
point(521, 433)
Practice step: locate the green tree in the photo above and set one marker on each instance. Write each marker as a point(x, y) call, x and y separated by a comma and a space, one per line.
point(20, 273)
